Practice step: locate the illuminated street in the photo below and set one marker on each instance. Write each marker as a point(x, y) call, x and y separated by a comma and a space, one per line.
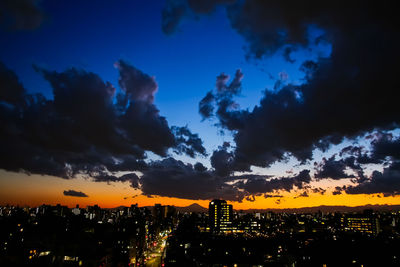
point(154, 254)
point(154, 261)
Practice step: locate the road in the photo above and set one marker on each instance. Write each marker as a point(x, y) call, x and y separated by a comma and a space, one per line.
point(154, 262)
point(154, 254)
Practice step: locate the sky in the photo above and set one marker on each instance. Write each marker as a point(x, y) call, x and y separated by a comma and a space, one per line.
point(267, 104)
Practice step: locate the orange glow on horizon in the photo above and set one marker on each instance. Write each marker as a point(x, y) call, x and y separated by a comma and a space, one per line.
point(23, 190)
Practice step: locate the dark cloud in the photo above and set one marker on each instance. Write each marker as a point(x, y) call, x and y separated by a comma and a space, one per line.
point(384, 150)
point(257, 184)
point(352, 150)
point(338, 190)
point(85, 129)
point(132, 178)
point(206, 6)
point(227, 110)
point(274, 25)
point(20, 14)
point(318, 190)
point(73, 193)
point(199, 167)
point(188, 142)
point(140, 117)
point(386, 182)
point(173, 178)
point(339, 97)
point(172, 13)
point(134, 196)
point(287, 54)
point(175, 10)
point(345, 95)
point(251, 198)
point(11, 90)
point(206, 107)
point(226, 90)
point(333, 169)
point(138, 86)
point(303, 194)
point(272, 196)
point(309, 67)
point(385, 147)
point(360, 155)
point(221, 160)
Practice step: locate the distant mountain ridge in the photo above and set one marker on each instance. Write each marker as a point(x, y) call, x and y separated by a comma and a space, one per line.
point(192, 208)
point(323, 208)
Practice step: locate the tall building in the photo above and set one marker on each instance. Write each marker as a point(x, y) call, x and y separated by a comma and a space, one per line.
point(360, 223)
point(161, 212)
point(220, 214)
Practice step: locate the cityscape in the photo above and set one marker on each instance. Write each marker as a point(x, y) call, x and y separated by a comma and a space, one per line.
point(215, 133)
point(168, 236)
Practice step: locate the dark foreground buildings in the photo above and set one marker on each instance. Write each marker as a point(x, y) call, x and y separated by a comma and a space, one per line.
point(170, 236)
point(284, 239)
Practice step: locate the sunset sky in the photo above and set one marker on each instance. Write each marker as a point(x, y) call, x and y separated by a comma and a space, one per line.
point(267, 104)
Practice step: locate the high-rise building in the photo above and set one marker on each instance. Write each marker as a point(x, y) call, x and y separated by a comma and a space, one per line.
point(161, 212)
point(220, 214)
point(360, 223)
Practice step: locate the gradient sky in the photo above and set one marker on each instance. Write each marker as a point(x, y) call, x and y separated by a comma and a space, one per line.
point(299, 109)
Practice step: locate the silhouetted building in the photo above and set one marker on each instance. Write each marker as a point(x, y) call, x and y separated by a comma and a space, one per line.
point(360, 223)
point(220, 214)
point(161, 212)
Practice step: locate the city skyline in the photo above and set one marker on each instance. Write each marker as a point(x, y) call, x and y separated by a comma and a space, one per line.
point(263, 104)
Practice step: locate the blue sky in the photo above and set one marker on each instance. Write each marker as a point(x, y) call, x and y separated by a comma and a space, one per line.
point(185, 64)
point(347, 99)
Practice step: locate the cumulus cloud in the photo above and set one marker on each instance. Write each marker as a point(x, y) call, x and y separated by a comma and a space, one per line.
point(188, 142)
point(222, 98)
point(386, 182)
point(171, 15)
point(84, 129)
point(339, 97)
point(333, 169)
point(258, 184)
point(385, 147)
point(221, 160)
point(93, 129)
point(73, 193)
point(175, 11)
point(206, 107)
point(384, 151)
point(173, 178)
point(132, 178)
point(138, 86)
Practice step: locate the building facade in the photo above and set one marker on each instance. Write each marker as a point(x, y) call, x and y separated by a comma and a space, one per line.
point(220, 215)
point(360, 223)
